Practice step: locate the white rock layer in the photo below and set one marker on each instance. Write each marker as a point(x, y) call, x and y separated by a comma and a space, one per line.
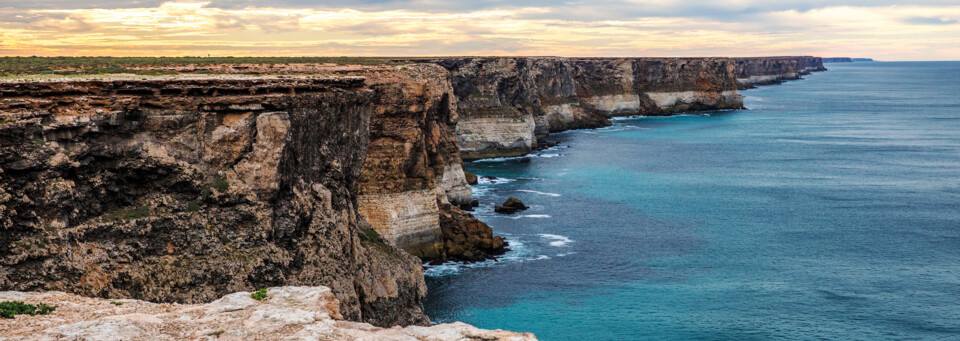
point(288, 313)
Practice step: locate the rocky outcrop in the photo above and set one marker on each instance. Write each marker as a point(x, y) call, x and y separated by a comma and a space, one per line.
point(506, 105)
point(755, 71)
point(287, 313)
point(511, 206)
point(846, 60)
point(182, 190)
point(466, 238)
point(413, 167)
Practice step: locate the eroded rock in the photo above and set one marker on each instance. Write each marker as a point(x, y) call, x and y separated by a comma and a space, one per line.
point(288, 313)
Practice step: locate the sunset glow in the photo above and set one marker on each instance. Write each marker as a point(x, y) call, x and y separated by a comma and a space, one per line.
point(178, 28)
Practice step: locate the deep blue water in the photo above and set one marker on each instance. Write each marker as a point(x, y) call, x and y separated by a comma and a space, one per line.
point(828, 210)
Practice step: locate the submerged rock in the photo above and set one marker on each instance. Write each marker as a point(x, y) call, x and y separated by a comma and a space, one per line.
point(288, 313)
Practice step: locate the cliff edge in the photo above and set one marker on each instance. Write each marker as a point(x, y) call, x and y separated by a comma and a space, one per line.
point(286, 313)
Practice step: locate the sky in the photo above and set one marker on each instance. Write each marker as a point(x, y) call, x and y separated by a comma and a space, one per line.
point(881, 29)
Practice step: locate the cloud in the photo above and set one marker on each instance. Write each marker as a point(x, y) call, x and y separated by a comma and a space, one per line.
point(441, 27)
point(930, 21)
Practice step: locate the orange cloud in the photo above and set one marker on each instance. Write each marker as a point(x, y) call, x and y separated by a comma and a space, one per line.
point(194, 28)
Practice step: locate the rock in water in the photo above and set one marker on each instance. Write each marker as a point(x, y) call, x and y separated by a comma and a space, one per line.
point(466, 238)
point(471, 178)
point(515, 203)
point(288, 313)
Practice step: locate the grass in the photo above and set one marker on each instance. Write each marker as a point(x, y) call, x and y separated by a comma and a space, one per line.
point(193, 206)
point(116, 303)
point(9, 309)
point(371, 235)
point(259, 295)
point(129, 214)
point(107, 65)
point(221, 185)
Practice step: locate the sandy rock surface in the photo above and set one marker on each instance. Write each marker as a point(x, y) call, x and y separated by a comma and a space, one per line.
point(288, 313)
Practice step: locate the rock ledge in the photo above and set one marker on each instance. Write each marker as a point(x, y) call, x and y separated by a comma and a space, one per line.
point(288, 313)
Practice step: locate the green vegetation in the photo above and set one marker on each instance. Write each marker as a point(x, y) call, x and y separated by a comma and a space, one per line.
point(116, 303)
point(259, 295)
point(9, 309)
point(371, 235)
point(7, 120)
point(193, 206)
point(106, 65)
point(129, 213)
point(219, 184)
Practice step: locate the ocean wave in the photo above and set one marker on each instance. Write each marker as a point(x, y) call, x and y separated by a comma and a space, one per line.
point(538, 192)
point(517, 253)
point(541, 216)
point(501, 159)
point(556, 240)
point(482, 180)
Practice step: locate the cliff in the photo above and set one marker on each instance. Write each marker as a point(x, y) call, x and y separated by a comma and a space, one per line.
point(507, 105)
point(181, 190)
point(287, 313)
point(188, 187)
point(846, 60)
point(755, 71)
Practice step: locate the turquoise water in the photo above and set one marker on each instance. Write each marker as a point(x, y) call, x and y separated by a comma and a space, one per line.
point(828, 210)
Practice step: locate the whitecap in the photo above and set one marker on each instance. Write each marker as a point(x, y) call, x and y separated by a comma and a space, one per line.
point(556, 240)
point(540, 216)
point(538, 192)
point(517, 253)
point(493, 181)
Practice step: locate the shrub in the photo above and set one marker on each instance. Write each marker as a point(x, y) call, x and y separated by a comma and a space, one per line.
point(193, 206)
point(259, 295)
point(220, 184)
point(9, 309)
point(129, 214)
point(116, 303)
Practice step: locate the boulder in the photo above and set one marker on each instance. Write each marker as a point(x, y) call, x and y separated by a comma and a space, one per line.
point(471, 178)
point(515, 203)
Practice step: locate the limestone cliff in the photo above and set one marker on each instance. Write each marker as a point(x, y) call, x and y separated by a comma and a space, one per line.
point(507, 104)
point(287, 313)
point(754, 71)
point(181, 190)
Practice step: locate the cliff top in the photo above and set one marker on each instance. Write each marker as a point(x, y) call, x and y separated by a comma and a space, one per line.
point(40, 68)
point(153, 66)
point(301, 313)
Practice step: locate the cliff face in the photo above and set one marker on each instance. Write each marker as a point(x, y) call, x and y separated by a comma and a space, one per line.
point(413, 175)
point(774, 70)
point(183, 190)
point(506, 104)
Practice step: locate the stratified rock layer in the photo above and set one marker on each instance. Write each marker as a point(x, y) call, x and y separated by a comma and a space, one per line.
point(287, 313)
point(753, 71)
point(181, 190)
point(506, 104)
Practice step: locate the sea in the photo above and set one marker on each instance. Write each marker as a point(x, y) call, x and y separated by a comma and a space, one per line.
point(829, 209)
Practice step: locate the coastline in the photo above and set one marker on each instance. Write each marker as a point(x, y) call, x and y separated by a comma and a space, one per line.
point(234, 151)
